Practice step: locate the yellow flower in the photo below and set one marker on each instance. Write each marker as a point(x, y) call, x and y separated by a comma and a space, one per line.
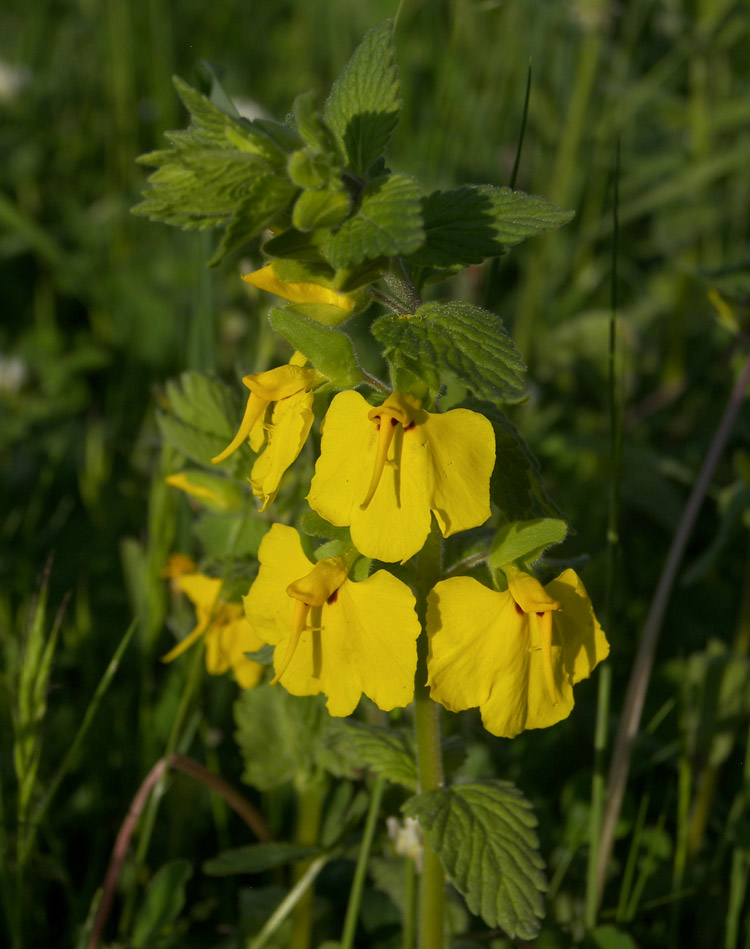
point(290, 388)
point(228, 634)
point(333, 635)
point(298, 291)
point(382, 470)
point(517, 654)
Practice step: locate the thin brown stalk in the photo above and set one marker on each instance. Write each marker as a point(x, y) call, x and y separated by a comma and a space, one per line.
point(234, 799)
point(644, 660)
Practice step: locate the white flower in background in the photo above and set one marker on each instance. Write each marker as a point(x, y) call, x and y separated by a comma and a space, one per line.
point(12, 80)
point(13, 373)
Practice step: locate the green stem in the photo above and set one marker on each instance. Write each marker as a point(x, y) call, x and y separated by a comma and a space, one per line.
point(310, 797)
point(429, 753)
point(410, 903)
point(300, 888)
point(598, 781)
point(430, 769)
point(358, 884)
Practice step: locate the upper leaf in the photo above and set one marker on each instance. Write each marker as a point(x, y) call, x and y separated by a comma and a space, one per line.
point(483, 834)
point(460, 339)
point(526, 541)
point(387, 222)
point(365, 100)
point(473, 222)
point(221, 170)
point(329, 350)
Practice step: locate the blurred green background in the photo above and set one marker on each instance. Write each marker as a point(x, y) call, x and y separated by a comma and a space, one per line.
point(100, 308)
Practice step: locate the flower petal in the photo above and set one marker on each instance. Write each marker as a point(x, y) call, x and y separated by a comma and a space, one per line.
point(363, 639)
point(267, 606)
point(366, 643)
point(478, 653)
point(461, 445)
point(297, 291)
point(290, 425)
point(584, 644)
point(396, 522)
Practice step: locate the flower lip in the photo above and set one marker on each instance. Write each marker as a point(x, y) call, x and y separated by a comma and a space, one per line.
point(528, 593)
point(318, 586)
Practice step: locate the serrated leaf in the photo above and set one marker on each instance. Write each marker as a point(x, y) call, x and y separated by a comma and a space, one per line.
point(473, 222)
point(329, 350)
point(280, 735)
point(461, 339)
point(484, 836)
point(213, 169)
point(202, 420)
point(267, 196)
point(389, 753)
point(255, 858)
point(387, 222)
point(365, 101)
point(526, 541)
point(326, 207)
point(215, 127)
point(202, 187)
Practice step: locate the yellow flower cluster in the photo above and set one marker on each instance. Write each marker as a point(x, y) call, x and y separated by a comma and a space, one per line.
point(383, 472)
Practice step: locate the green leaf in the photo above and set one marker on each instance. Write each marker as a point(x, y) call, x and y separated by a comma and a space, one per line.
point(484, 836)
point(164, 900)
point(201, 188)
point(365, 100)
point(389, 753)
point(267, 196)
point(460, 339)
point(279, 735)
point(329, 350)
point(387, 222)
point(220, 170)
point(201, 421)
point(302, 245)
point(210, 125)
point(608, 937)
point(315, 526)
point(526, 540)
point(473, 222)
point(255, 858)
point(223, 536)
point(315, 130)
point(326, 207)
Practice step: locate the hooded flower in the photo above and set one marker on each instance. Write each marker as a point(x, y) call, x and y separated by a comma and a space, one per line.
point(516, 654)
point(382, 470)
point(289, 389)
point(333, 635)
point(228, 634)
